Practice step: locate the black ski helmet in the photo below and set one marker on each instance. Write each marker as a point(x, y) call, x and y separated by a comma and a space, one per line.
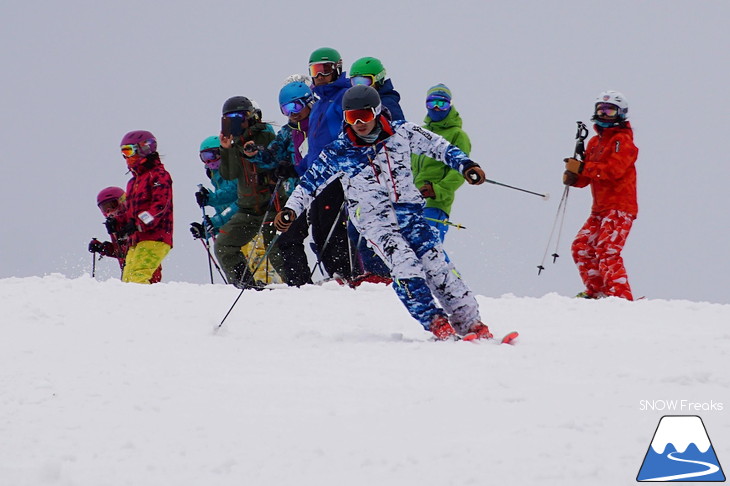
point(361, 97)
point(238, 103)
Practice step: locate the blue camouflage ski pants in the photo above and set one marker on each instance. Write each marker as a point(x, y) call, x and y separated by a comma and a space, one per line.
point(422, 276)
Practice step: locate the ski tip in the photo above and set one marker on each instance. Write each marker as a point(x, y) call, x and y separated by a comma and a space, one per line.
point(510, 337)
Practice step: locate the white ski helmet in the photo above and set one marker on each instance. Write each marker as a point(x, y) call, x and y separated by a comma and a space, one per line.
point(299, 78)
point(615, 98)
point(256, 110)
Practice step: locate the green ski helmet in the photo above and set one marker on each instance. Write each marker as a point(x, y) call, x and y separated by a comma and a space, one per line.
point(325, 55)
point(210, 143)
point(368, 71)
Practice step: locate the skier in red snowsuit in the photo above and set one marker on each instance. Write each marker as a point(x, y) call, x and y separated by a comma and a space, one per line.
point(609, 168)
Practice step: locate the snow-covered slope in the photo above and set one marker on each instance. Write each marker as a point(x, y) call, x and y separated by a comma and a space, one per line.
point(103, 383)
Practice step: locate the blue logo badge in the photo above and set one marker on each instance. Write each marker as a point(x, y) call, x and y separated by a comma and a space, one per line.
point(681, 451)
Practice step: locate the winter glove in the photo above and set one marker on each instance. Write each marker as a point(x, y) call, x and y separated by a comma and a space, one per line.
point(197, 230)
point(573, 165)
point(284, 219)
point(570, 178)
point(96, 246)
point(202, 196)
point(427, 190)
point(474, 174)
point(202, 230)
point(105, 248)
point(208, 224)
point(111, 225)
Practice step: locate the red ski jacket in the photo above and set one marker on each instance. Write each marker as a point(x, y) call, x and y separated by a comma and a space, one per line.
point(608, 167)
point(149, 202)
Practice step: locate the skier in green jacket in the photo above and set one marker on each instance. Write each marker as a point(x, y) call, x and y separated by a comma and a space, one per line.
point(437, 183)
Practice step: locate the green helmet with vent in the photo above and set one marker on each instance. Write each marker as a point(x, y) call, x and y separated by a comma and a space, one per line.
point(368, 66)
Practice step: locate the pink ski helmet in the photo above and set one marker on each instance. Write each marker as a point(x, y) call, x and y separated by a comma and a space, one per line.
point(144, 140)
point(110, 199)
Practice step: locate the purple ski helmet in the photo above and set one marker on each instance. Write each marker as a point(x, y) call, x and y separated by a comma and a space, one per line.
point(110, 200)
point(144, 140)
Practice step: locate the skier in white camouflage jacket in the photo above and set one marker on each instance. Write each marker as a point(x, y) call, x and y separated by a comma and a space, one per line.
point(372, 159)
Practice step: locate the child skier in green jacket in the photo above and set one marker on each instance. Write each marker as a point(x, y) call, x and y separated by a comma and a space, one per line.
point(437, 183)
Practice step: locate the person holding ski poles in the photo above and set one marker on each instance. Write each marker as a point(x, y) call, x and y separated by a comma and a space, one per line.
point(223, 196)
point(285, 154)
point(438, 184)
point(257, 199)
point(609, 168)
point(326, 214)
point(370, 71)
point(148, 217)
point(372, 159)
point(112, 204)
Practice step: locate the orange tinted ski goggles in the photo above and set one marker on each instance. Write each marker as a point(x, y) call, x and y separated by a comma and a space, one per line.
point(321, 69)
point(363, 115)
point(129, 150)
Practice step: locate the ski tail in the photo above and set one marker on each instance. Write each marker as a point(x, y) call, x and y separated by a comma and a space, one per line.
point(510, 337)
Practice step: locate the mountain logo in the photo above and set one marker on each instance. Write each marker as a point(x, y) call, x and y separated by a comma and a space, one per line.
point(680, 451)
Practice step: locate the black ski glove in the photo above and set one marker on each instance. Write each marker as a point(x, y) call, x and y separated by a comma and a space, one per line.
point(202, 196)
point(96, 246)
point(111, 225)
point(197, 230)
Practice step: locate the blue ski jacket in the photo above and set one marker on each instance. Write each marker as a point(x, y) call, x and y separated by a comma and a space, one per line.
point(325, 120)
point(390, 99)
point(222, 199)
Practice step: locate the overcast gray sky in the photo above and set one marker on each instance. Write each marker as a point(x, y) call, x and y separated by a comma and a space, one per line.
point(78, 75)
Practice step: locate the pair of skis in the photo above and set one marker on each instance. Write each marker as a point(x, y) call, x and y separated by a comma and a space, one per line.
point(508, 338)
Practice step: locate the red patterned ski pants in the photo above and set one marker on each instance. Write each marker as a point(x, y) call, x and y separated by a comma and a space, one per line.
point(597, 253)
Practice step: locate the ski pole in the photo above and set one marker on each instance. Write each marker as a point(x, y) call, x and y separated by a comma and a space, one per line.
point(544, 196)
point(579, 152)
point(261, 228)
point(207, 243)
point(446, 221)
point(266, 255)
point(327, 240)
point(93, 266)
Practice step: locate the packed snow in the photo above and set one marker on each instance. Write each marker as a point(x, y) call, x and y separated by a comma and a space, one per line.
point(105, 383)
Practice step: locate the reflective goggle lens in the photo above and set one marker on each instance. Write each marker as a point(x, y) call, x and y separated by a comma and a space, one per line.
point(210, 155)
point(364, 115)
point(439, 104)
point(109, 206)
point(366, 80)
point(321, 69)
point(292, 107)
point(237, 114)
point(129, 150)
point(607, 110)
